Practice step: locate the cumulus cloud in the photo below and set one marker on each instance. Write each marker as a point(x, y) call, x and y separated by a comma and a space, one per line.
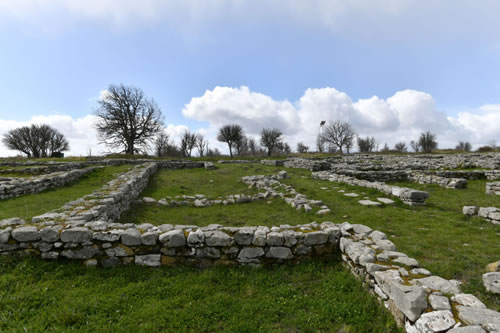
point(401, 117)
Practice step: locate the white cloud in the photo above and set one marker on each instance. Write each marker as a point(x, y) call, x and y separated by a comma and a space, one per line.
point(401, 117)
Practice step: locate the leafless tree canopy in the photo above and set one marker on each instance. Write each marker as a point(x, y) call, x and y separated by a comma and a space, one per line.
point(270, 138)
point(415, 146)
point(230, 134)
point(302, 148)
point(464, 146)
point(252, 146)
point(188, 142)
point(400, 147)
point(366, 145)
point(127, 119)
point(201, 145)
point(338, 133)
point(427, 142)
point(36, 140)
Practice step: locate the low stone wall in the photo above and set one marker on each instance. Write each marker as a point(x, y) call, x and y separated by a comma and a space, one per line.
point(237, 161)
point(490, 214)
point(277, 163)
point(493, 188)
point(105, 204)
point(18, 186)
point(309, 164)
point(441, 181)
point(110, 244)
point(407, 195)
point(375, 176)
point(38, 170)
point(418, 300)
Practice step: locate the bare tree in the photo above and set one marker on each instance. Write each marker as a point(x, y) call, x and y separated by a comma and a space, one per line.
point(341, 134)
point(36, 140)
point(386, 148)
point(252, 146)
point(283, 148)
point(302, 148)
point(188, 141)
point(464, 146)
point(400, 147)
point(160, 144)
point(241, 146)
point(213, 152)
point(127, 119)
point(366, 145)
point(270, 138)
point(230, 134)
point(201, 145)
point(415, 146)
point(427, 142)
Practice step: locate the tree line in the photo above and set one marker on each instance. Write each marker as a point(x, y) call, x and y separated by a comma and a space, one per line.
point(133, 123)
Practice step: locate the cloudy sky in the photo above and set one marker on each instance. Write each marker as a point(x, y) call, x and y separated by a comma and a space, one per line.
point(392, 68)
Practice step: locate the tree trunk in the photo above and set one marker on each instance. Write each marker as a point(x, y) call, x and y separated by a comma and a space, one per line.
point(230, 151)
point(269, 152)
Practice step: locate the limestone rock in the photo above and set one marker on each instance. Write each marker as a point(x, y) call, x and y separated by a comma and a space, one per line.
point(76, 235)
point(152, 260)
point(435, 321)
point(493, 267)
point(131, 237)
point(26, 234)
point(315, 238)
point(439, 302)
point(491, 282)
point(279, 252)
point(196, 238)
point(479, 316)
point(173, 238)
point(217, 238)
point(437, 283)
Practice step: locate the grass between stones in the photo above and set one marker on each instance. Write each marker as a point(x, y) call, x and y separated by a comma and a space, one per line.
point(314, 296)
point(29, 205)
point(438, 235)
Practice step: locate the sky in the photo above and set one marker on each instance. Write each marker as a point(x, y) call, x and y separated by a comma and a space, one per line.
point(391, 68)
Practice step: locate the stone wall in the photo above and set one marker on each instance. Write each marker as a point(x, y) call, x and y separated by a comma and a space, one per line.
point(490, 214)
point(13, 187)
point(493, 188)
point(106, 244)
point(407, 195)
point(418, 300)
point(237, 161)
point(309, 164)
point(441, 181)
point(107, 203)
point(277, 163)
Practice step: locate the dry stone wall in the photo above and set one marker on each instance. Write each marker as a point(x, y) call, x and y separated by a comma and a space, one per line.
point(490, 214)
point(418, 300)
point(493, 188)
point(441, 181)
point(407, 195)
point(13, 187)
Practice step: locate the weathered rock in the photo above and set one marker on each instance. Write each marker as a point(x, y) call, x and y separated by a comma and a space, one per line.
point(152, 260)
point(208, 252)
point(315, 238)
point(76, 235)
point(131, 237)
point(435, 321)
point(85, 252)
point(248, 254)
point(196, 238)
point(479, 316)
point(149, 238)
point(50, 234)
point(470, 210)
point(173, 238)
point(386, 201)
point(493, 267)
point(468, 300)
point(491, 282)
point(369, 203)
point(275, 239)
point(5, 235)
point(279, 253)
point(26, 234)
point(467, 329)
point(410, 262)
point(244, 236)
point(411, 300)
point(217, 238)
point(439, 302)
point(437, 283)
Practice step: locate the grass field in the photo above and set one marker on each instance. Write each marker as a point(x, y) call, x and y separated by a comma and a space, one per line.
point(438, 235)
point(38, 296)
point(29, 205)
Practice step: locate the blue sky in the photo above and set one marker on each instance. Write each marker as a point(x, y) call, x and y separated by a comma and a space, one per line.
point(56, 57)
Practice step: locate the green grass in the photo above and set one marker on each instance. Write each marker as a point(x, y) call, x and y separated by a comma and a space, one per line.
point(29, 205)
point(226, 180)
point(259, 212)
point(438, 235)
point(314, 296)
